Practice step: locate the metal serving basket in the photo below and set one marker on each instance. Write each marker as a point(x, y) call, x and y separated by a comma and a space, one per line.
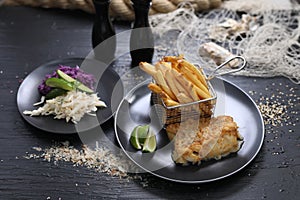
point(202, 109)
point(195, 110)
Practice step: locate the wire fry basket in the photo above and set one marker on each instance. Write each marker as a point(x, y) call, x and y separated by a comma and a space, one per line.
point(195, 110)
point(202, 109)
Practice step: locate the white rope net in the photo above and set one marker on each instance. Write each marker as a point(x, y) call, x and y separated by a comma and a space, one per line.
point(271, 44)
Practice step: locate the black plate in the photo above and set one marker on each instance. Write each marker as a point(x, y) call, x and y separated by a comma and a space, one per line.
point(109, 89)
point(231, 100)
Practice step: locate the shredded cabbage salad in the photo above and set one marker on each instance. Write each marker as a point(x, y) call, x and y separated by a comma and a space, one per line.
point(72, 106)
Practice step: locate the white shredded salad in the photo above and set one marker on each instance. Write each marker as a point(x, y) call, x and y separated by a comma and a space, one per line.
point(72, 106)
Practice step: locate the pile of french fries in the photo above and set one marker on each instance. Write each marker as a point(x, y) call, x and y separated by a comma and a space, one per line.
point(177, 81)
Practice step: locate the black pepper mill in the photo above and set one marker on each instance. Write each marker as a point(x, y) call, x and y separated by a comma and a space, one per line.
point(103, 33)
point(141, 38)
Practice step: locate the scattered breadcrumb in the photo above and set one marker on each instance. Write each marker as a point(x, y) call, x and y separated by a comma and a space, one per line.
point(278, 109)
point(273, 112)
point(101, 159)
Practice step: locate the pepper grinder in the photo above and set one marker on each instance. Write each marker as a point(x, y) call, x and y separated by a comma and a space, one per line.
point(103, 33)
point(141, 38)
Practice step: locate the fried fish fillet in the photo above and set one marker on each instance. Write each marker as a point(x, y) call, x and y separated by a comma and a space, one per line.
point(195, 140)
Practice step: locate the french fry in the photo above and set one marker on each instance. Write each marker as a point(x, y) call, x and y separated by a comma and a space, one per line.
point(162, 66)
point(167, 100)
point(170, 80)
point(182, 84)
point(175, 85)
point(194, 93)
point(148, 68)
point(189, 89)
point(170, 102)
point(159, 78)
point(180, 87)
point(151, 70)
point(175, 60)
point(155, 88)
point(192, 74)
point(193, 78)
point(202, 94)
point(193, 69)
point(177, 80)
point(183, 98)
point(203, 79)
point(166, 64)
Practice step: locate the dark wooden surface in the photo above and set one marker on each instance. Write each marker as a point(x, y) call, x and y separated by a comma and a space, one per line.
point(30, 37)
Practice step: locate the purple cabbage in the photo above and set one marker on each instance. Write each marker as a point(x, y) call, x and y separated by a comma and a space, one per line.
point(74, 72)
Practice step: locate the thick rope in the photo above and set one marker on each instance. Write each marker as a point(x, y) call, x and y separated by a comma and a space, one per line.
point(121, 9)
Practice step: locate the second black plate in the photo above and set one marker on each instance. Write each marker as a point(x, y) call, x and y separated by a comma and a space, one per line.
point(135, 109)
point(109, 89)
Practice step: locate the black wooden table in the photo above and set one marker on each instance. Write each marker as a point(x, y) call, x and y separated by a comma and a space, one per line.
point(30, 37)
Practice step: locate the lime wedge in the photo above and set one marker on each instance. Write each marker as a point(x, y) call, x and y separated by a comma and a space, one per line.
point(78, 84)
point(138, 136)
point(150, 143)
point(134, 138)
point(142, 133)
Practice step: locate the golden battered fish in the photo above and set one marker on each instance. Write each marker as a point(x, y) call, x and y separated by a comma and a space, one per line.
point(195, 140)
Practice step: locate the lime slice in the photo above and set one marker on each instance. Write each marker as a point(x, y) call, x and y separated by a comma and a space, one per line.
point(78, 84)
point(150, 143)
point(59, 83)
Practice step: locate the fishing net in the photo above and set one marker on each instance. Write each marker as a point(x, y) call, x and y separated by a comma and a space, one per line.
point(270, 41)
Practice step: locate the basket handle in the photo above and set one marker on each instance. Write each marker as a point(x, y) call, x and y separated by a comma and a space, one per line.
point(215, 72)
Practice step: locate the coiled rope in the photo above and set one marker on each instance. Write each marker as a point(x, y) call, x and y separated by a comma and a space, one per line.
point(121, 9)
